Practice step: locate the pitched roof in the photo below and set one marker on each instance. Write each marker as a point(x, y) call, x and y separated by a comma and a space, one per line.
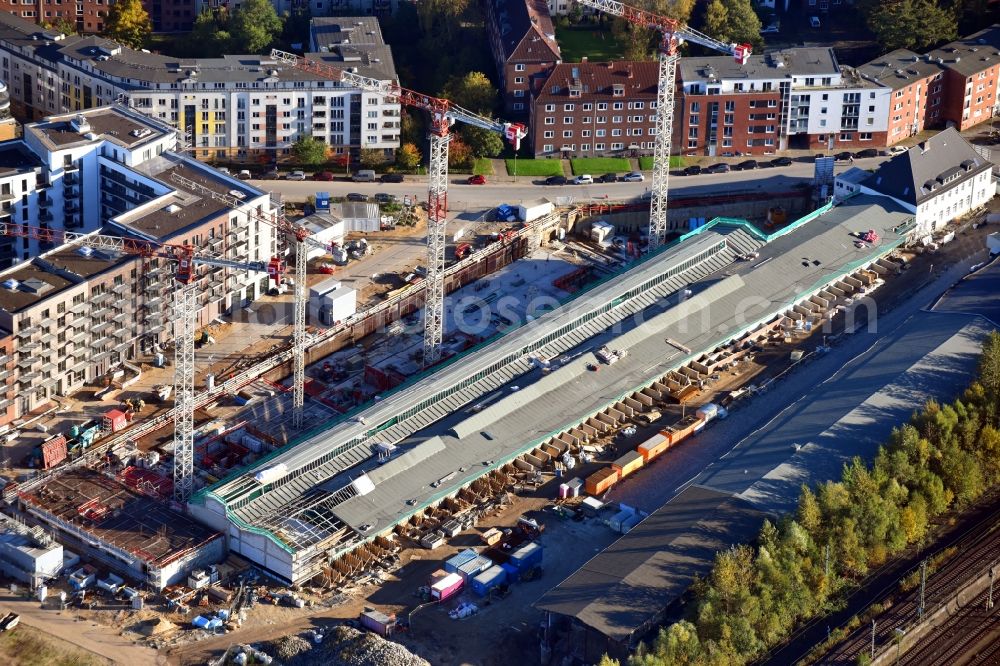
point(971, 54)
point(525, 29)
point(598, 79)
point(900, 68)
point(926, 170)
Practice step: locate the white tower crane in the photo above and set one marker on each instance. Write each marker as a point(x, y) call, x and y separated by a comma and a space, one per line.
point(185, 314)
point(673, 33)
point(443, 114)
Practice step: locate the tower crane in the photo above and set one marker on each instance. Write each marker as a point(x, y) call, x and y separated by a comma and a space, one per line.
point(302, 238)
point(443, 115)
point(673, 33)
point(185, 312)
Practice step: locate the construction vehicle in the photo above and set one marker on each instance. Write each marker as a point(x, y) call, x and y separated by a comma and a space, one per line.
point(9, 621)
point(673, 33)
point(462, 250)
point(443, 115)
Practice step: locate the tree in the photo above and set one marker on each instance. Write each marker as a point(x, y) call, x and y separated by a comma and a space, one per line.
point(128, 23)
point(254, 26)
point(717, 19)
point(408, 156)
point(742, 22)
point(209, 36)
point(912, 23)
point(459, 154)
point(474, 91)
point(309, 150)
point(482, 142)
point(371, 158)
point(63, 25)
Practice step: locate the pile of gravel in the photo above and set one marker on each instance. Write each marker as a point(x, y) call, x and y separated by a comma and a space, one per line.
point(288, 647)
point(342, 646)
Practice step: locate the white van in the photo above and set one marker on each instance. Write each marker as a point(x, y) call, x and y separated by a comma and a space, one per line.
point(364, 176)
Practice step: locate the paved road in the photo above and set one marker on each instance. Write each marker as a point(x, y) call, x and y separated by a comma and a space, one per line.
point(503, 190)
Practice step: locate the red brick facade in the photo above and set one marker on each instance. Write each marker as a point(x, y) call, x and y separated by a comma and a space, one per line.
point(522, 39)
point(89, 15)
point(745, 123)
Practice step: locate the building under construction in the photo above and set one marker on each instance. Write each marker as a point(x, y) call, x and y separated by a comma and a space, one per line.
point(428, 453)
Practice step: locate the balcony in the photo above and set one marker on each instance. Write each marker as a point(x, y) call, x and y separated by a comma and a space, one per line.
point(101, 313)
point(28, 332)
point(29, 346)
point(101, 298)
point(121, 288)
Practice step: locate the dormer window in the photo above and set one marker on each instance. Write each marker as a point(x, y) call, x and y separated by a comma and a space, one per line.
point(556, 89)
point(575, 92)
point(618, 90)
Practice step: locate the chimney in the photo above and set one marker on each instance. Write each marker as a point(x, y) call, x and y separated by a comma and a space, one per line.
point(924, 146)
point(630, 72)
point(583, 59)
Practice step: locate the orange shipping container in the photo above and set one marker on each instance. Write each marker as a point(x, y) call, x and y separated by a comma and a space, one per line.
point(599, 482)
point(654, 446)
point(684, 428)
point(628, 463)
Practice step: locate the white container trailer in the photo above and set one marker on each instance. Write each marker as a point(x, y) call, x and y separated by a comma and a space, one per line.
point(532, 210)
point(335, 305)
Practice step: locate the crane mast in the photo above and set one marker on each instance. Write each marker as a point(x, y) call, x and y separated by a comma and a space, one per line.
point(673, 33)
point(442, 114)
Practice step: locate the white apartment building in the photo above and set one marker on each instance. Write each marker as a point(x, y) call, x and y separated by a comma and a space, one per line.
point(939, 180)
point(226, 108)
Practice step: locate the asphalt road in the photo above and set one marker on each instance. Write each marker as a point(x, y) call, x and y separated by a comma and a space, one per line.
point(503, 190)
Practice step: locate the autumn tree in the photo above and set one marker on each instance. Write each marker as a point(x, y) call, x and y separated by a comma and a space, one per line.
point(474, 91)
point(371, 158)
point(309, 150)
point(63, 25)
point(408, 156)
point(459, 154)
point(128, 23)
point(641, 43)
point(254, 26)
point(482, 142)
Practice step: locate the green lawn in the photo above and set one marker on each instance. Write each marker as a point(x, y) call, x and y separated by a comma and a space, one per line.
point(646, 163)
point(535, 167)
point(595, 43)
point(483, 167)
point(600, 165)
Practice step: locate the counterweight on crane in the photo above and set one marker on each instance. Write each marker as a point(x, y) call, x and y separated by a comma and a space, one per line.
point(443, 114)
point(185, 314)
point(673, 33)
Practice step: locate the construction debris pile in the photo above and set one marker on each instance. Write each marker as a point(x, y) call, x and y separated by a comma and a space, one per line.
point(342, 646)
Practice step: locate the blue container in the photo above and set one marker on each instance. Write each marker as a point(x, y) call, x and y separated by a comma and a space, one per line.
point(474, 567)
point(511, 570)
point(322, 201)
point(487, 580)
point(452, 564)
point(527, 556)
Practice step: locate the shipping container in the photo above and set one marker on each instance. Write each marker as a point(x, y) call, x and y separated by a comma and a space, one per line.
point(599, 482)
point(488, 579)
point(654, 446)
point(114, 420)
point(377, 622)
point(708, 412)
point(617, 521)
point(53, 451)
point(452, 564)
point(447, 586)
point(511, 570)
point(574, 485)
point(492, 536)
point(628, 463)
point(474, 567)
point(684, 428)
point(591, 506)
point(527, 556)
point(631, 522)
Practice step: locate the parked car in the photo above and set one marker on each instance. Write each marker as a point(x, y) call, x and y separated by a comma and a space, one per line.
point(719, 167)
point(608, 178)
point(384, 198)
point(297, 175)
point(476, 180)
point(354, 196)
point(244, 174)
point(692, 170)
point(272, 174)
point(814, 22)
point(866, 153)
point(897, 150)
point(584, 179)
point(323, 175)
point(364, 176)
point(391, 178)
point(771, 29)
point(633, 177)
point(555, 180)
point(223, 170)
point(748, 165)
point(781, 161)
point(845, 156)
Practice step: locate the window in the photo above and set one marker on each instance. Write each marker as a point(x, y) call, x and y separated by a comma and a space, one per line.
point(585, 133)
point(518, 79)
point(569, 107)
point(616, 119)
point(730, 105)
point(865, 136)
point(567, 120)
point(845, 136)
point(692, 132)
point(518, 106)
point(585, 147)
point(616, 132)
point(810, 81)
point(518, 68)
point(617, 146)
point(550, 120)
point(547, 148)
point(548, 134)
point(602, 119)
point(588, 107)
point(518, 93)
point(598, 146)
point(600, 132)
point(567, 134)
point(602, 106)
point(694, 120)
point(695, 107)
point(549, 108)
point(692, 143)
point(618, 106)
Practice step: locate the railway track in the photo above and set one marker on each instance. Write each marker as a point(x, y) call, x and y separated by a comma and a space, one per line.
point(958, 638)
point(977, 550)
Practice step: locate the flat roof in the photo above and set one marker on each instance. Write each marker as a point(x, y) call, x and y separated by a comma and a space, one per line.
point(16, 157)
point(778, 64)
point(140, 525)
point(625, 587)
point(34, 284)
point(112, 123)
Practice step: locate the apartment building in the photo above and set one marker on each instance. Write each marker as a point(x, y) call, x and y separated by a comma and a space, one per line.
point(917, 86)
point(377, 8)
point(971, 75)
point(69, 314)
point(523, 43)
point(797, 98)
point(595, 109)
point(234, 107)
point(89, 15)
point(938, 180)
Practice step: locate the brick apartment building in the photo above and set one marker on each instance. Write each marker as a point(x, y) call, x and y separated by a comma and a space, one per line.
point(595, 109)
point(523, 42)
point(970, 77)
point(917, 86)
point(89, 15)
point(799, 98)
